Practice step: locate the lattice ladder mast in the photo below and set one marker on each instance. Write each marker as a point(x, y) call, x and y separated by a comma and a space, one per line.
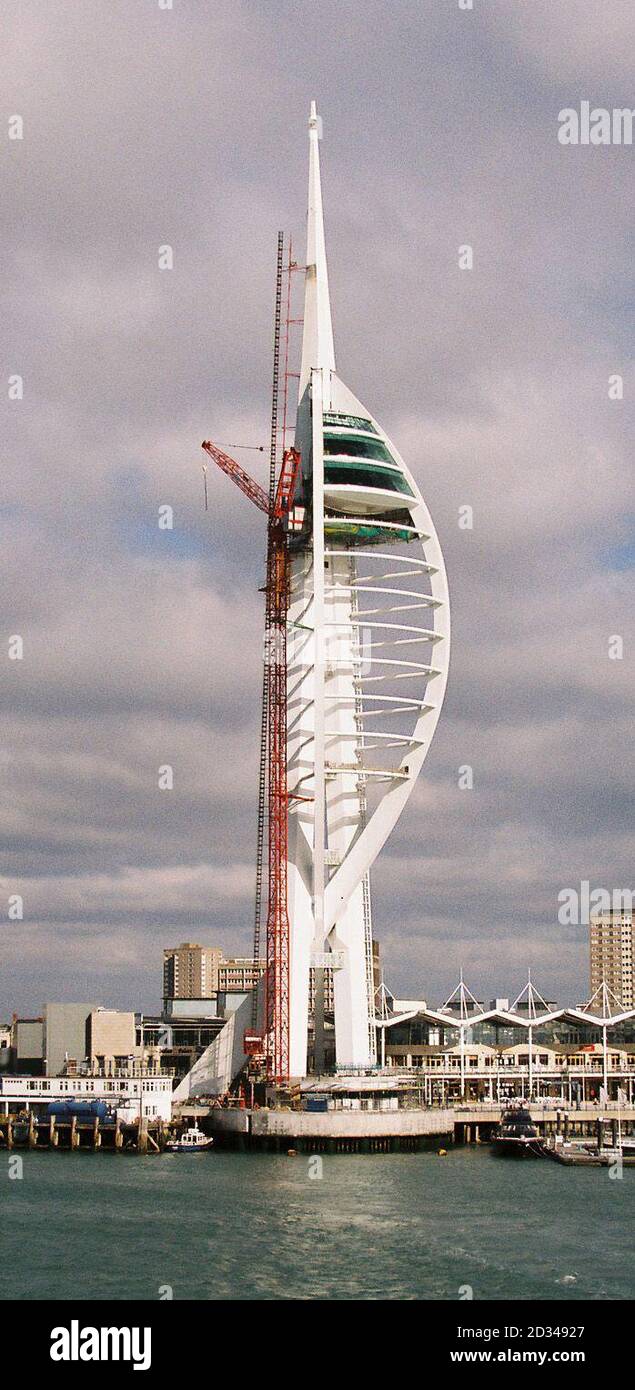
point(275, 1044)
point(264, 708)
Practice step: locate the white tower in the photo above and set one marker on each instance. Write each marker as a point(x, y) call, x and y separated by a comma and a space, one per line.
point(369, 637)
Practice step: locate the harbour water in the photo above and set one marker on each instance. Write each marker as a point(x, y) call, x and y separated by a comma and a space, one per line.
point(253, 1226)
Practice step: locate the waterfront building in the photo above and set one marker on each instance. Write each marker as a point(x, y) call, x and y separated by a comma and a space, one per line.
point(132, 1093)
point(174, 1040)
point(612, 953)
point(530, 1049)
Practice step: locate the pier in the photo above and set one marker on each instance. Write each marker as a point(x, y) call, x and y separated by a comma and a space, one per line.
point(334, 1131)
point(476, 1124)
point(28, 1131)
point(407, 1129)
point(369, 1128)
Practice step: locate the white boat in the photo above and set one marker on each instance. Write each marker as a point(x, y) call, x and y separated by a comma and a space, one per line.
point(191, 1141)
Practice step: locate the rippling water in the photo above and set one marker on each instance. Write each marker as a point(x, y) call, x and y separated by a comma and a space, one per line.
point(240, 1226)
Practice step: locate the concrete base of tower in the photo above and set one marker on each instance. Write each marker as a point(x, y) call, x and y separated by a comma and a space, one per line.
point(277, 1131)
point(345, 1113)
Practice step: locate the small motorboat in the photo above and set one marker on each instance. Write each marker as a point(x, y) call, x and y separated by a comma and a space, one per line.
point(191, 1141)
point(518, 1135)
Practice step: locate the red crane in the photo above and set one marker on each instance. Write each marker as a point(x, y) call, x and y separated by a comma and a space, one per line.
point(282, 519)
point(251, 489)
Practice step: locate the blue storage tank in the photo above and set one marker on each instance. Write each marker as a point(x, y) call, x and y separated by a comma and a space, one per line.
point(81, 1109)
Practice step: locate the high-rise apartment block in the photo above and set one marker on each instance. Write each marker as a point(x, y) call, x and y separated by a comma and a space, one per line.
point(190, 971)
point(612, 940)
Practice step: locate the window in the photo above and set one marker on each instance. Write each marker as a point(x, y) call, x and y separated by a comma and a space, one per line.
point(365, 530)
point(351, 446)
point(356, 475)
point(351, 422)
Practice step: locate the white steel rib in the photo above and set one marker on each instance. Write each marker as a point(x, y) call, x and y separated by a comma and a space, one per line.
point(348, 780)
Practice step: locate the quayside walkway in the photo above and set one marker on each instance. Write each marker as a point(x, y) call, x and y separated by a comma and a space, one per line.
point(476, 1123)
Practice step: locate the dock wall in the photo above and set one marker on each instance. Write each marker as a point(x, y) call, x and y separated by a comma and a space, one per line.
point(341, 1131)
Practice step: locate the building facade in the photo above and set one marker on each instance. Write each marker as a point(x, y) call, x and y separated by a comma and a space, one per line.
point(110, 1039)
point(5, 1046)
point(612, 942)
point(27, 1045)
point(65, 1036)
point(190, 971)
point(174, 1042)
point(132, 1094)
point(329, 995)
point(239, 974)
point(575, 1055)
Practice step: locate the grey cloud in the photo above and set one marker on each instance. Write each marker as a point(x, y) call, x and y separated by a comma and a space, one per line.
point(144, 127)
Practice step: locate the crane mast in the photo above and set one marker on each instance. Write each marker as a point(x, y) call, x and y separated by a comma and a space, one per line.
point(273, 1046)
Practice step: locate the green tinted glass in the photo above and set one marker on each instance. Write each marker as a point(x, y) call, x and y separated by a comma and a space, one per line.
point(354, 447)
point(360, 476)
point(351, 422)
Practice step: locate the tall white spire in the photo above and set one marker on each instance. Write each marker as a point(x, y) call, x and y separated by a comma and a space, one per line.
point(317, 338)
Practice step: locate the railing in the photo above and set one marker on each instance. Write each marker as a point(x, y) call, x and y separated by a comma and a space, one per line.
point(548, 1105)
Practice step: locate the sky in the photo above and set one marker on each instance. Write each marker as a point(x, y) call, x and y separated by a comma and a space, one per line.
point(186, 127)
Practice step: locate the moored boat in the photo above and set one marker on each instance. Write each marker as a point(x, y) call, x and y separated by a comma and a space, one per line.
point(518, 1135)
point(191, 1141)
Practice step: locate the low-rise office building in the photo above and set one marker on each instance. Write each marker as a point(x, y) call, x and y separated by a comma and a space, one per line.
point(111, 1041)
point(174, 1041)
point(5, 1046)
point(27, 1045)
point(65, 1036)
